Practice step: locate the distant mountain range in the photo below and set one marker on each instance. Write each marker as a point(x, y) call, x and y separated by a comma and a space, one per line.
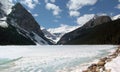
point(20, 28)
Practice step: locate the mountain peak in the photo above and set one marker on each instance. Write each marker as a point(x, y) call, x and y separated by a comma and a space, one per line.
point(26, 24)
point(97, 20)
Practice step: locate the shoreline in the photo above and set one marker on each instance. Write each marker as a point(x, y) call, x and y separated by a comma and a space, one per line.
point(84, 66)
point(99, 66)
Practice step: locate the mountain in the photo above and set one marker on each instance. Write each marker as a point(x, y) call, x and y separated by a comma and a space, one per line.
point(21, 27)
point(26, 24)
point(8, 33)
point(10, 36)
point(101, 30)
point(49, 36)
point(60, 31)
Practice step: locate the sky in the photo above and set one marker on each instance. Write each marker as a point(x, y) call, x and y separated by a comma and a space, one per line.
point(59, 14)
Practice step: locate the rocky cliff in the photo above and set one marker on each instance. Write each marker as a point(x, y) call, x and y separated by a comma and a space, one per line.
point(26, 24)
point(97, 20)
point(8, 34)
point(20, 27)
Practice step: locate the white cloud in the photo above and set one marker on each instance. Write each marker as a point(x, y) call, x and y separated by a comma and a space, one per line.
point(101, 14)
point(85, 18)
point(35, 15)
point(10, 1)
point(118, 6)
point(62, 29)
point(92, 8)
point(56, 10)
point(75, 5)
point(74, 13)
point(30, 3)
point(55, 20)
point(47, 1)
point(52, 1)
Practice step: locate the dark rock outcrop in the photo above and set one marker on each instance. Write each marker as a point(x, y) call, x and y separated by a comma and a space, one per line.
point(10, 36)
point(105, 33)
point(97, 21)
point(24, 19)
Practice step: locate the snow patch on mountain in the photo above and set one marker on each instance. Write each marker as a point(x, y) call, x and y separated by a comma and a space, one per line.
point(3, 24)
point(116, 17)
point(6, 6)
point(33, 36)
point(60, 31)
point(5, 9)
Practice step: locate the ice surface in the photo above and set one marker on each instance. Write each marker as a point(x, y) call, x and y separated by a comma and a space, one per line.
point(50, 58)
point(114, 65)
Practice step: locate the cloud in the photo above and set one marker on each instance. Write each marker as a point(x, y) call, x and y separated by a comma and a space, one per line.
point(85, 18)
point(30, 3)
point(52, 1)
point(55, 20)
point(47, 1)
point(75, 5)
point(56, 10)
point(10, 1)
point(118, 6)
point(35, 15)
point(102, 14)
point(74, 13)
point(64, 28)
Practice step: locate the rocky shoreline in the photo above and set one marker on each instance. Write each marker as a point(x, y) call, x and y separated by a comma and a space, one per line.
point(100, 65)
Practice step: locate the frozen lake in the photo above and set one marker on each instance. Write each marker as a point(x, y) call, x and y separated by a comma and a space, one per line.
point(49, 58)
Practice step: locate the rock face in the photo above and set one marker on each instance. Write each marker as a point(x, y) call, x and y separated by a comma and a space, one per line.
point(102, 31)
point(10, 36)
point(97, 21)
point(24, 19)
point(26, 24)
point(49, 36)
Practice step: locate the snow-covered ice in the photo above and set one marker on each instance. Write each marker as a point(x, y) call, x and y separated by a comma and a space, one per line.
point(49, 58)
point(114, 65)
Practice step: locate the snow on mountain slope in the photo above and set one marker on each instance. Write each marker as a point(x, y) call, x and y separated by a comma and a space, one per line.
point(33, 36)
point(60, 31)
point(39, 40)
point(3, 24)
point(5, 9)
point(116, 17)
point(6, 6)
point(26, 25)
point(49, 36)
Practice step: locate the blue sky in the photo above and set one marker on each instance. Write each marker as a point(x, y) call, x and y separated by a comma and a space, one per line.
point(52, 14)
